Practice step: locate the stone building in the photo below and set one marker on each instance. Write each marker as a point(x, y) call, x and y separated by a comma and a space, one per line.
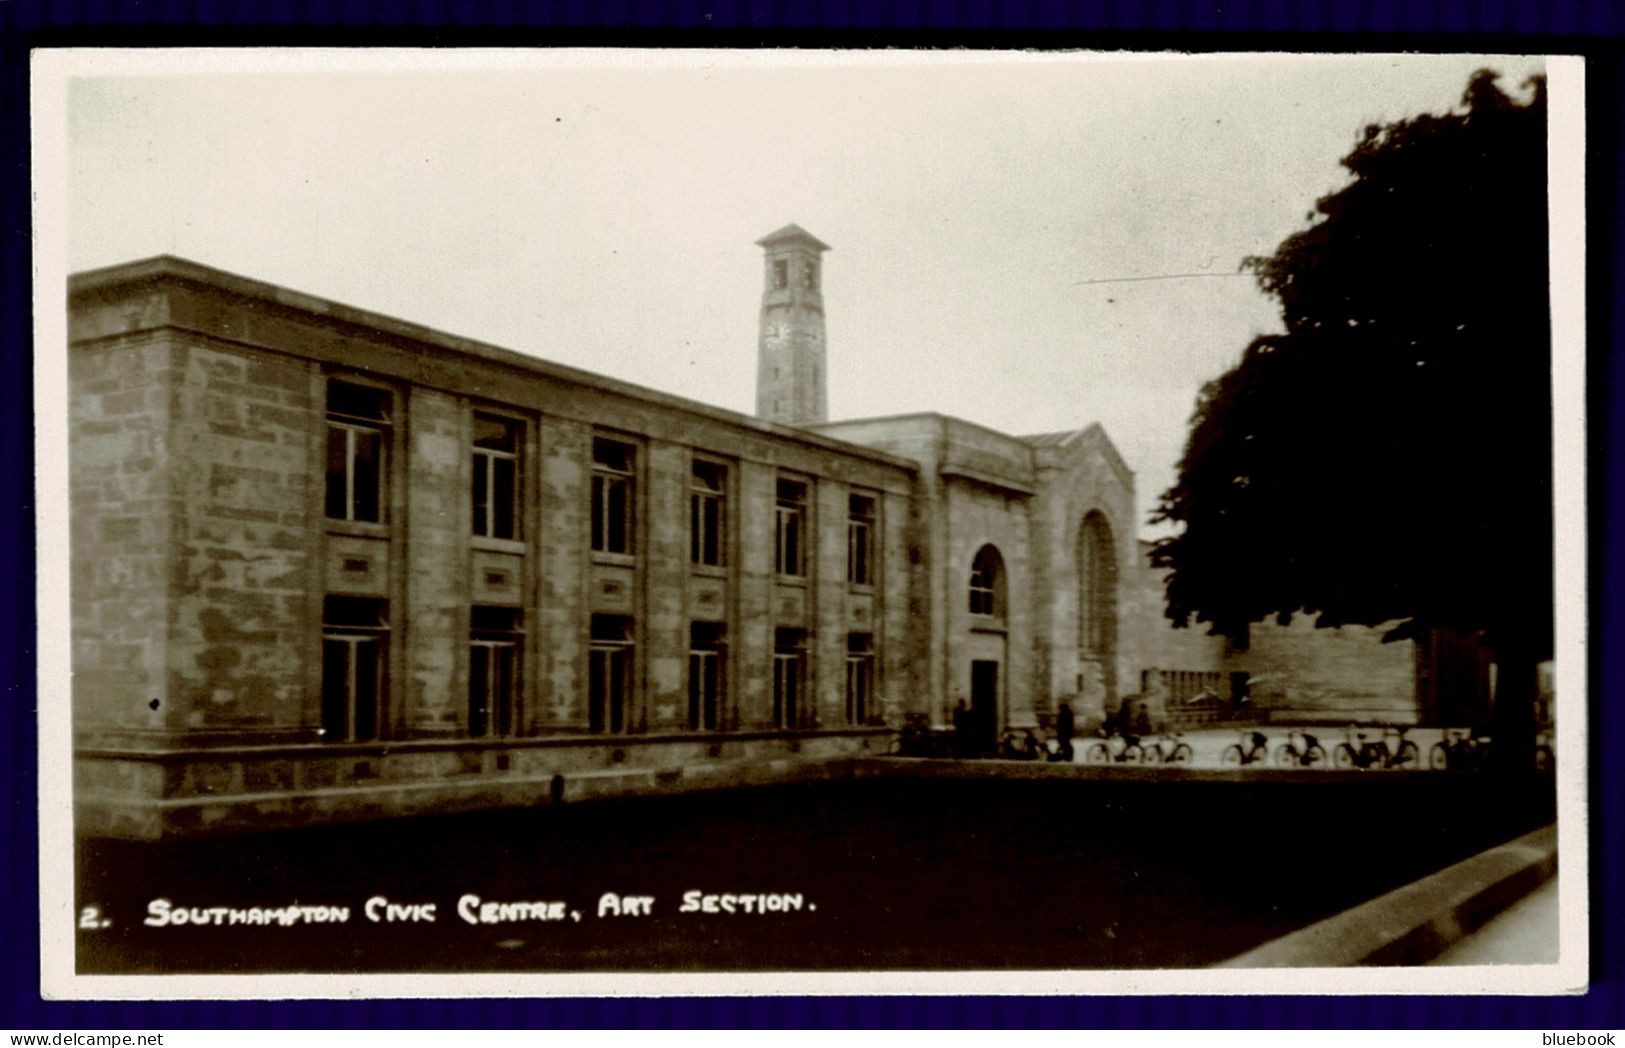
point(331, 565)
point(1024, 540)
point(1302, 674)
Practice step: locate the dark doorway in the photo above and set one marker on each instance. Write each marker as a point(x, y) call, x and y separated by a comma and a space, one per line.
point(1452, 678)
point(984, 705)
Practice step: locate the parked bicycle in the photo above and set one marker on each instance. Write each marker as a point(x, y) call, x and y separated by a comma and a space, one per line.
point(1358, 751)
point(1300, 750)
point(918, 739)
point(1020, 744)
point(1115, 749)
point(1169, 748)
point(1406, 753)
point(1252, 749)
point(1460, 749)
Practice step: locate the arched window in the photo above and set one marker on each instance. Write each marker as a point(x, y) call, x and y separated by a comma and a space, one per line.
point(987, 583)
point(1097, 588)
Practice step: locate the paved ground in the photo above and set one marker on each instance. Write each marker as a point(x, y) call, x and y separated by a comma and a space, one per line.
point(1208, 744)
point(1063, 871)
point(1526, 933)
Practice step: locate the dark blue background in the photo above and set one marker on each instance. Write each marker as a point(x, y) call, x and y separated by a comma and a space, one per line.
point(1532, 26)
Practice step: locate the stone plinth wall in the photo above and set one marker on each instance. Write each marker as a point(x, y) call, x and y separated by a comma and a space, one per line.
point(158, 794)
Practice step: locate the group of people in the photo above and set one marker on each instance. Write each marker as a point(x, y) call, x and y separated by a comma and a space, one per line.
point(972, 730)
point(971, 736)
point(1130, 720)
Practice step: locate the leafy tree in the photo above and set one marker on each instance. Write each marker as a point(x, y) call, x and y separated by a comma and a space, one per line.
point(1388, 459)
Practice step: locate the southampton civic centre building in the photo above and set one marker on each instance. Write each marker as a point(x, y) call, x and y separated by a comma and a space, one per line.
point(330, 565)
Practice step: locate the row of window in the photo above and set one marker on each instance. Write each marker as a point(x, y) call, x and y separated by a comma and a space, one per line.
point(613, 509)
point(358, 421)
point(355, 673)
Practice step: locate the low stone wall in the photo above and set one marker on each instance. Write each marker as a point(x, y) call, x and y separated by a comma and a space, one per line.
point(156, 794)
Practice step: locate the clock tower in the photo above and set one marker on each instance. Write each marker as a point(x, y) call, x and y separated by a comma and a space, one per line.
point(790, 370)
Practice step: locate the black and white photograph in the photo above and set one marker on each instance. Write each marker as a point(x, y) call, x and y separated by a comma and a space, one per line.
point(597, 521)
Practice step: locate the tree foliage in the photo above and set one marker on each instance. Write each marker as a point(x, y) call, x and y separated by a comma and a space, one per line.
point(1388, 458)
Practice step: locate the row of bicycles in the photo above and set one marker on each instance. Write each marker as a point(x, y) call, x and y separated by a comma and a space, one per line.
point(1459, 749)
point(1373, 747)
point(1464, 749)
point(1300, 749)
point(1388, 748)
point(1170, 748)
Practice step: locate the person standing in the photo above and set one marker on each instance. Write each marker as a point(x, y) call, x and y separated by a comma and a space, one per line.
point(1063, 732)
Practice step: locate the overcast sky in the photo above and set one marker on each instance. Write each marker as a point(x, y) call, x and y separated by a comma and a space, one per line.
point(987, 213)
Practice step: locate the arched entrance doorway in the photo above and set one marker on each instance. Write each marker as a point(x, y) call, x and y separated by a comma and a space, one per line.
point(1097, 611)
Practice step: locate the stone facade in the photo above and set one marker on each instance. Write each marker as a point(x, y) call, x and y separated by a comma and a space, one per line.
point(1345, 674)
point(1299, 673)
point(1027, 499)
point(254, 646)
point(1176, 665)
point(120, 534)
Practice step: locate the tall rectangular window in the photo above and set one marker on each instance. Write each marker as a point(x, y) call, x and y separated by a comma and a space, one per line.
point(860, 676)
point(781, 273)
point(706, 514)
point(860, 549)
point(495, 646)
point(357, 427)
point(354, 645)
point(609, 674)
point(809, 275)
point(614, 466)
point(496, 477)
point(705, 676)
point(790, 529)
point(789, 677)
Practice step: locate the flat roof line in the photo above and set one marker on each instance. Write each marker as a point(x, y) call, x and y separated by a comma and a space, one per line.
point(171, 267)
